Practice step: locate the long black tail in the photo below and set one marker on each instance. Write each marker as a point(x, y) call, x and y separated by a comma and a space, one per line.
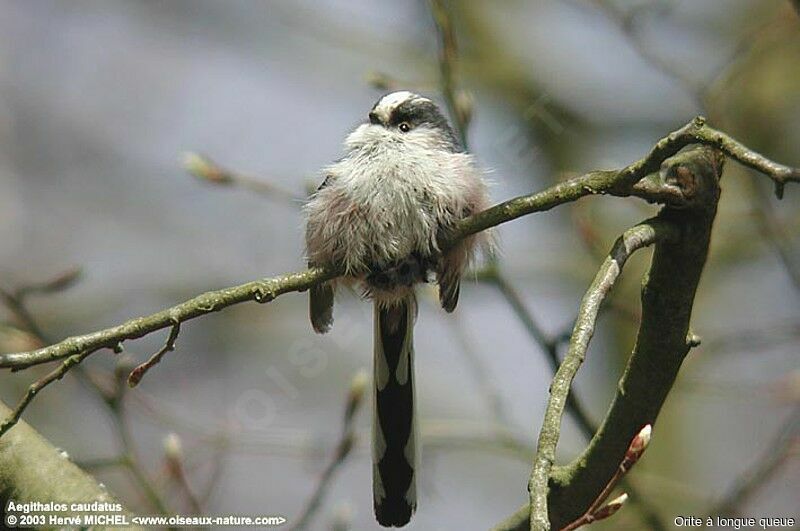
point(394, 444)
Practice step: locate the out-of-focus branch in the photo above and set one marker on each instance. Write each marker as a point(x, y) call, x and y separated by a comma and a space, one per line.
point(355, 398)
point(626, 22)
point(15, 299)
point(784, 444)
point(548, 344)
point(771, 228)
point(176, 469)
point(458, 102)
point(207, 170)
point(460, 111)
point(632, 240)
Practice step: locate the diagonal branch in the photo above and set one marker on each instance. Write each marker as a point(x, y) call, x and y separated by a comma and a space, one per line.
point(38, 385)
point(260, 291)
point(169, 345)
point(207, 170)
point(622, 182)
point(631, 241)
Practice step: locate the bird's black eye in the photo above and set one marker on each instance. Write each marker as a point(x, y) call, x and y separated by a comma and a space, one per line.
point(404, 127)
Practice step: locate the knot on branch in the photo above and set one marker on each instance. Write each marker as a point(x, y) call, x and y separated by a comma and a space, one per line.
point(694, 173)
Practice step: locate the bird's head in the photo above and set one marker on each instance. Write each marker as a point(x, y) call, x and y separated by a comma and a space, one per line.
point(406, 118)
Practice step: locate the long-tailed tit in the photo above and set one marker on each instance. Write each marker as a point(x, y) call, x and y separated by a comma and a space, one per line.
point(402, 184)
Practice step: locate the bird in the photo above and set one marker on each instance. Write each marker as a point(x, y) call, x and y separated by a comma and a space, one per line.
point(402, 185)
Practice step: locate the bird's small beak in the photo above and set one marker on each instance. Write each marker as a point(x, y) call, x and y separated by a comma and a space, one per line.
point(374, 118)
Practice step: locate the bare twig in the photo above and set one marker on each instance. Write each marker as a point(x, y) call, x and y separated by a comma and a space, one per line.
point(207, 170)
point(491, 393)
point(596, 511)
point(632, 240)
point(37, 386)
point(458, 103)
point(173, 456)
point(15, 300)
point(355, 398)
point(261, 291)
point(169, 345)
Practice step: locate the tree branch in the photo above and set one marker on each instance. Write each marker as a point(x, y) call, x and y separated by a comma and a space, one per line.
point(207, 170)
point(631, 241)
point(32, 470)
point(662, 343)
point(138, 372)
point(622, 182)
point(261, 291)
point(355, 398)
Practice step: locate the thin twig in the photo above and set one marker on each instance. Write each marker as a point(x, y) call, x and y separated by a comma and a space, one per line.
point(15, 300)
point(207, 170)
point(169, 345)
point(491, 393)
point(173, 455)
point(355, 398)
point(632, 240)
point(596, 511)
point(459, 108)
point(37, 386)
point(548, 344)
point(261, 291)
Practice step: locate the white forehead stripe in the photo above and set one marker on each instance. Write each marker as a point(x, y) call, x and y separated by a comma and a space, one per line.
point(390, 102)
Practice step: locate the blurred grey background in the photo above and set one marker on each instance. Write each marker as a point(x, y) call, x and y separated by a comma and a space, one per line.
point(98, 99)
